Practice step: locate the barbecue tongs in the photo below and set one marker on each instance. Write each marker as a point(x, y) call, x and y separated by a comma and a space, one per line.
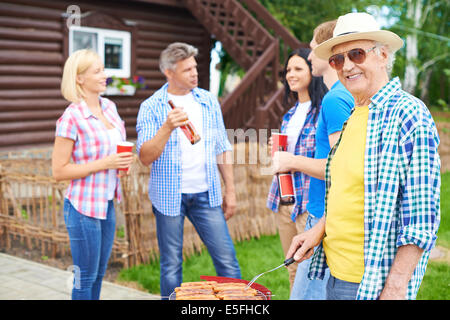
point(284, 264)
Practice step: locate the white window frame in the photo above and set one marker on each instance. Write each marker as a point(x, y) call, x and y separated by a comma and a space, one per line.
point(102, 34)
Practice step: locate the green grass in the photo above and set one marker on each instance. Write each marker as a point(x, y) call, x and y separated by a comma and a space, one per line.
point(259, 255)
point(436, 283)
point(444, 227)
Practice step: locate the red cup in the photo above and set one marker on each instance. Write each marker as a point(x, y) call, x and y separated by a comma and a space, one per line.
point(279, 142)
point(124, 146)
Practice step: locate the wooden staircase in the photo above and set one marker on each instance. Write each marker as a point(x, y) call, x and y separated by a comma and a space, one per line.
point(260, 45)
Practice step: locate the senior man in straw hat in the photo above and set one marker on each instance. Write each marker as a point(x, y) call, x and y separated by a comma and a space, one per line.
point(382, 177)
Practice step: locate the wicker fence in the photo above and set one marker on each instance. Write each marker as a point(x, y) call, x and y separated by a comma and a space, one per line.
point(31, 209)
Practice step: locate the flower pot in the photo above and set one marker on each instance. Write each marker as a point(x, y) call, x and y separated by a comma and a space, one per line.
point(125, 90)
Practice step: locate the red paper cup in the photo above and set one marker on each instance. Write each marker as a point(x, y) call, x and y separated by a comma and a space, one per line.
point(124, 146)
point(279, 140)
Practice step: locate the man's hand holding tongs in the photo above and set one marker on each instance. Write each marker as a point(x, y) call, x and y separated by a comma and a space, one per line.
point(302, 245)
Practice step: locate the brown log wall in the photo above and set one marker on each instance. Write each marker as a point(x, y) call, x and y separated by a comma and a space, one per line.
point(32, 60)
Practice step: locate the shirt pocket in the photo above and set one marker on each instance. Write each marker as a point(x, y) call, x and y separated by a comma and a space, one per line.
point(95, 148)
point(93, 143)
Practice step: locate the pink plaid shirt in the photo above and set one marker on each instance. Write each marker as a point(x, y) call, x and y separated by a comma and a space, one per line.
point(89, 195)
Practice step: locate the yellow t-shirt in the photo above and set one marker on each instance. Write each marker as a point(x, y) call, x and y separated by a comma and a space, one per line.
point(344, 240)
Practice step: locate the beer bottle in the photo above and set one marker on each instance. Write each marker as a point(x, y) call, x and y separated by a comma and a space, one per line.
point(285, 184)
point(188, 129)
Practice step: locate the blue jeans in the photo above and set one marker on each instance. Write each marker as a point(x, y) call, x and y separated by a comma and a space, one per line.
point(341, 290)
point(212, 228)
point(91, 242)
point(304, 288)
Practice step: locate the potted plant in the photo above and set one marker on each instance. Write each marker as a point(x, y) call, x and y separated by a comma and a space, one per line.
point(116, 86)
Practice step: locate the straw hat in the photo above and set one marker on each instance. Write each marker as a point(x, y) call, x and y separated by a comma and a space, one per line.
point(357, 26)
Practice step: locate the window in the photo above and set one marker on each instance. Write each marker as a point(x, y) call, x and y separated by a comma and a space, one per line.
point(112, 45)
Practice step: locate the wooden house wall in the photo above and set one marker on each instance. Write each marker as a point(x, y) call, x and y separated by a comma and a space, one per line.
point(32, 60)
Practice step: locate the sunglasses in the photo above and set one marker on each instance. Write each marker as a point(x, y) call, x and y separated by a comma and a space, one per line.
point(356, 55)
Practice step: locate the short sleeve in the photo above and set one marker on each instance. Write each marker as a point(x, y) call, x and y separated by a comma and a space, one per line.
point(223, 144)
point(337, 107)
point(146, 126)
point(65, 126)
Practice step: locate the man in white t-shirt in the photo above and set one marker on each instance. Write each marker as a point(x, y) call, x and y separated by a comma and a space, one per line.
point(193, 158)
point(184, 179)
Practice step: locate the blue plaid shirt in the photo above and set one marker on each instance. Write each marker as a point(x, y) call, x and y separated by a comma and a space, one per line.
point(306, 146)
point(402, 188)
point(164, 187)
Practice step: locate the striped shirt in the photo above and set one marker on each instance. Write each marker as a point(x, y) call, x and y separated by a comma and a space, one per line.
point(89, 195)
point(402, 188)
point(164, 187)
point(306, 145)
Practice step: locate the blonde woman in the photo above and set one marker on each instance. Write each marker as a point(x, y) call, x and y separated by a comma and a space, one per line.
point(88, 132)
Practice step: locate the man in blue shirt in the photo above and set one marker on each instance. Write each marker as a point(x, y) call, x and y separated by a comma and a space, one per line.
point(184, 178)
point(336, 107)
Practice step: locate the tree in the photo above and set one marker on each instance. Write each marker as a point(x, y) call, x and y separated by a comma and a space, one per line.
point(423, 24)
point(423, 63)
point(302, 16)
point(418, 13)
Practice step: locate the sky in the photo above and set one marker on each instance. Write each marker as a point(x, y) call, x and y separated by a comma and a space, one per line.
point(214, 74)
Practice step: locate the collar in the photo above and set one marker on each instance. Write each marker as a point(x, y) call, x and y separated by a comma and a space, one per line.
point(200, 98)
point(292, 110)
point(384, 94)
point(86, 112)
point(288, 115)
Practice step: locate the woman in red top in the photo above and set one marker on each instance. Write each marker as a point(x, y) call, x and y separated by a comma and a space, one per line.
point(88, 133)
